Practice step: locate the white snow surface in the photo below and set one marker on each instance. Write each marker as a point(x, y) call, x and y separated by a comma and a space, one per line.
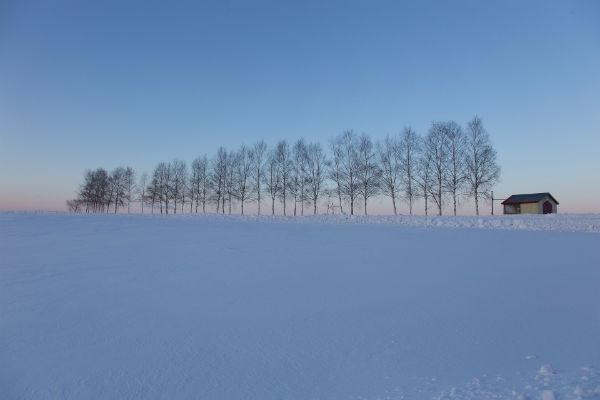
point(217, 307)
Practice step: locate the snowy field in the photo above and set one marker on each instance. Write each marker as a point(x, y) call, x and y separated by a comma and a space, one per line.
point(180, 307)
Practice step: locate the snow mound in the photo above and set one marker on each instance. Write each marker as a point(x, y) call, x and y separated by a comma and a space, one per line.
point(578, 384)
point(551, 222)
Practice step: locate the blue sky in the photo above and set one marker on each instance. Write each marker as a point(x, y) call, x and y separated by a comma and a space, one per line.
point(88, 84)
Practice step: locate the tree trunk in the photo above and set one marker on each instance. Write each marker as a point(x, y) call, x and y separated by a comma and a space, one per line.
point(455, 205)
point(258, 190)
point(439, 193)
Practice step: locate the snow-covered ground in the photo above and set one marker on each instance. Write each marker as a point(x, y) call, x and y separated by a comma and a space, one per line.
point(180, 307)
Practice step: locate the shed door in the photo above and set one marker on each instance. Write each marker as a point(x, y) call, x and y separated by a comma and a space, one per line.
point(547, 207)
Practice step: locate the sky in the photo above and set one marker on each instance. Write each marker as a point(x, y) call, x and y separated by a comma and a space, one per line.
point(90, 84)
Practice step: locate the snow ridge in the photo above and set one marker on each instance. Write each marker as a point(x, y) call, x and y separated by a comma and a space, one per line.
point(552, 222)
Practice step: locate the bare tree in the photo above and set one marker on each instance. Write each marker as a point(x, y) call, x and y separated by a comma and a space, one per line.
point(389, 152)
point(142, 190)
point(368, 171)
point(284, 163)
point(118, 187)
point(242, 179)
point(273, 178)
point(423, 178)
point(298, 175)
point(349, 167)
point(204, 183)
point(335, 169)
point(315, 169)
point(75, 205)
point(199, 183)
point(232, 161)
point(482, 171)
point(258, 156)
point(153, 190)
point(436, 148)
point(194, 184)
point(455, 177)
point(158, 189)
point(130, 187)
point(409, 158)
point(178, 183)
point(94, 193)
point(219, 176)
point(165, 171)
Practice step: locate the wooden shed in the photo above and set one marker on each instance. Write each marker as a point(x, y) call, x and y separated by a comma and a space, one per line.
point(532, 203)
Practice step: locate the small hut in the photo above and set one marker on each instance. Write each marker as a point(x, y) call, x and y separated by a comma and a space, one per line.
point(532, 203)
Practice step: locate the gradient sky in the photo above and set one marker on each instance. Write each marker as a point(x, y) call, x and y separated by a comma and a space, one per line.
point(88, 84)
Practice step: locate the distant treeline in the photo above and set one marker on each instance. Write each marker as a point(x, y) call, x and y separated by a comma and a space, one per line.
point(448, 163)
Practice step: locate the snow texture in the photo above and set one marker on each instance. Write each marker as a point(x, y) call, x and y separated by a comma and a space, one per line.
point(212, 307)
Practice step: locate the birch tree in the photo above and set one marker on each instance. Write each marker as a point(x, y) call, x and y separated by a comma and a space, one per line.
point(298, 172)
point(93, 194)
point(436, 149)
point(409, 160)
point(118, 187)
point(142, 190)
point(130, 187)
point(178, 183)
point(315, 169)
point(368, 170)
point(273, 178)
point(284, 163)
point(243, 169)
point(199, 183)
point(154, 189)
point(335, 169)
point(232, 161)
point(349, 167)
point(218, 176)
point(423, 179)
point(390, 161)
point(258, 155)
point(456, 176)
point(482, 171)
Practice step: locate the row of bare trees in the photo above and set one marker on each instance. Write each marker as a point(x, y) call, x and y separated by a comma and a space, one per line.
point(448, 164)
point(102, 191)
